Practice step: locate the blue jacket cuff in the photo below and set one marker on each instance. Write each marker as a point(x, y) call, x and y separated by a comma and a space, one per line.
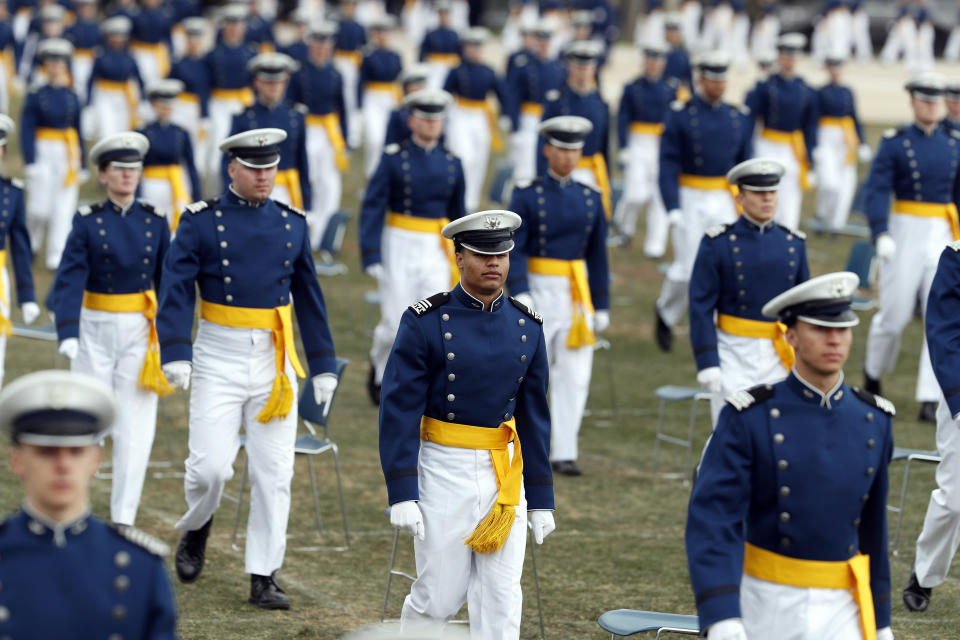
point(539, 494)
point(714, 608)
point(176, 349)
point(403, 487)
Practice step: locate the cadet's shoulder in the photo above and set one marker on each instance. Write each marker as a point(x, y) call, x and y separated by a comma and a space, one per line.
point(526, 310)
point(139, 539)
point(391, 149)
point(875, 401)
point(149, 208)
point(743, 400)
point(17, 183)
point(678, 105)
point(421, 308)
point(301, 109)
point(291, 208)
point(588, 189)
point(894, 132)
point(955, 245)
point(524, 185)
point(88, 209)
point(521, 59)
point(793, 232)
point(718, 230)
point(202, 205)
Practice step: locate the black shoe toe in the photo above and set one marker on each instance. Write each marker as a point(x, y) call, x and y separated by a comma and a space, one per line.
point(915, 597)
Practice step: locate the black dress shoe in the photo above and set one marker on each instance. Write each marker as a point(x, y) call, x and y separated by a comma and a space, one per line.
point(191, 553)
point(566, 468)
point(373, 389)
point(664, 334)
point(928, 412)
point(266, 593)
point(916, 598)
point(871, 385)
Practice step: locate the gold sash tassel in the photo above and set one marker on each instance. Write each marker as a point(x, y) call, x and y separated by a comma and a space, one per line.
point(598, 165)
point(799, 146)
point(6, 327)
point(173, 175)
point(850, 137)
point(331, 124)
point(290, 179)
point(496, 141)
point(71, 140)
point(576, 271)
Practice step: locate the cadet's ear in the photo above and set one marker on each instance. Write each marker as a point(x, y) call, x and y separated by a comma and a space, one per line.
point(459, 255)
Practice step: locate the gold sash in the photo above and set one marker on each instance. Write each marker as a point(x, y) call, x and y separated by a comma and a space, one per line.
point(331, 124)
point(576, 271)
point(172, 174)
point(428, 225)
point(598, 165)
point(747, 328)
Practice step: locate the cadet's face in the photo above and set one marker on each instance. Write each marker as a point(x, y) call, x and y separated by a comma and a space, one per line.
point(270, 92)
point(713, 89)
point(834, 73)
point(473, 52)
point(52, 28)
point(116, 42)
point(121, 182)
point(56, 480)
point(410, 87)
point(482, 274)
point(953, 108)
point(786, 63)
point(562, 161)
point(252, 184)
point(321, 51)
point(541, 46)
point(820, 350)
point(673, 37)
point(925, 111)
point(380, 37)
point(164, 110)
point(759, 205)
point(653, 66)
point(581, 74)
point(233, 31)
point(427, 131)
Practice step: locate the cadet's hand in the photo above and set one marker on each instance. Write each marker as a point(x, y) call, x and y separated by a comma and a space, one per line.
point(32, 171)
point(709, 379)
point(729, 629)
point(178, 373)
point(406, 516)
point(885, 634)
point(886, 247)
point(323, 387)
point(83, 176)
point(69, 348)
point(865, 153)
point(811, 178)
point(675, 217)
point(541, 521)
point(30, 312)
point(601, 320)
point(375, 271)
point(525, 299)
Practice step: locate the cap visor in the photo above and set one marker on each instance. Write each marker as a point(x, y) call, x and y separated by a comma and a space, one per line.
point(489, 249)
point(840, 320)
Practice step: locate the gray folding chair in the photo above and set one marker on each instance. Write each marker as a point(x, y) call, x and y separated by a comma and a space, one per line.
point(909, 455)
point(627, 622)
point(675, 393)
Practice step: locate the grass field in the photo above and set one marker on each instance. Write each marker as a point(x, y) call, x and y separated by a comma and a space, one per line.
point(619, 541)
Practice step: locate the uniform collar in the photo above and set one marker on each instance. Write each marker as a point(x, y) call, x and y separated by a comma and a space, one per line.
point(706, 103)
point(123, 211)
point(813, 395)
point(563, 182)
point(753, 225)
point(39, 524)
point(469, 301)
point(415, 144)
point(923, 132)
point(235, 198)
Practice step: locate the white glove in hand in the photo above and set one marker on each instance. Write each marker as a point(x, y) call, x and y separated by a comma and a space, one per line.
point(601, 320)
point(525, 299)
point(541, 521)
point(323, 387)
point(811, 179)
point(709, 379)
point(729, 629)
point(886, 247)
point(83, 176)
point(375, 271)
point(885, 634)
point(675, 217)
point(69, 348)
point(32, 171)
point(406, 516)
point(178, 373)
point(30, 312)
point(865, 153)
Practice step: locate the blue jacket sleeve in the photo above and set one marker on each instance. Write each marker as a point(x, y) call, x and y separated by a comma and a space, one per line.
point(70, 281)
point(517, 275)
point(456, 206)
point(393, 129)
point(303, 163)
point(177, 295)
point(28, 129)
point(670, 162)
point(373, 213)
point(162, 616)
point(879, 186)
point(873, 535)
point(190, 161)
point(598, 269)
point(704, 297)
point(21, 253)
point(811, 121)
point(856, 118)
point(943, 327)
point(362, 79)
point(624, 117)
point(312, 313)
point(77, 120)
point(532, 415)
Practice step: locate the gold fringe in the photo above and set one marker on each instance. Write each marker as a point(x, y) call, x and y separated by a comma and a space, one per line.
point(151, 375)
point(280, 400)
point(493, 530)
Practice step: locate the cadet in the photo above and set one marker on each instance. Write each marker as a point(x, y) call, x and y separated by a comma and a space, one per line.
point(319, 87)
point(105, 304)
point(468, 375)
point(250, 256)
point(951, 96)
point(115, 85)
point(677, 72)
point(53, 156)
point(271, 76)
point(739, 267)
point(347, 57)
point(788, 109)
point(417, 188)
point(190, 108)
point(786, 531)
point(918, 163)
point(643, 108)
point(702, 140)
point(377, 90)
point(298, 48)
point(84, 35)
point(170, 179)
point(13, 223)
point(151, 41)
point(560, 266)
point(69, 574)
point(413, 79)
point(440, 49)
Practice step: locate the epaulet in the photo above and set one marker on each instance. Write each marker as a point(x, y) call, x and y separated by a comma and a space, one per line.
point(743, 400)
point(292, 209)
point(302, 108)
point(201, 205)
point(745, 110)
point(152, 209)
point(955, 245)
point(520, 60)
point(678, 105)
point(718, 230)
point(796, 232)
point(892, 132)
point(144, 540)
point(17, 182)
point(391, 148)
point(87, 209)
point(425, 306)
point(527, 310)
point(875, 401)
point(553, 94)
point(522, 184)
point(955, 133)
point(587, 185)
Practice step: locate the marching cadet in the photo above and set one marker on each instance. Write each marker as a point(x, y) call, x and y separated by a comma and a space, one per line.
point(918, 163)
point(450, 396)
point(190, 107)
point(53, 157)
point(786, 531)
point(677, 72)
point(473, 127)
point(250, 256)
point(105, 303)
point(377, 90)
point(259, 33)
point(13, 223)
point(298, 49)
point(643, 108)
point(115, 85)
point(560, 266)
point(49, 23)
point(739, 267)
point(951, 95)
point(101, 579)
point(418, 187)
point(170, 181)
point(579, 97)
point(702, 140)
point(413, 79)
point(440, 49)
point(347, 57)
point(788, 108)
point(151, 40)
point(319, 87)
point(84, 35)
point(766, 30)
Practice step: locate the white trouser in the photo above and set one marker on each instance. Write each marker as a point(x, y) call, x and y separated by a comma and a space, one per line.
point(901, 282)
point(700, 210)
point(765, 34)
point(649, 28)
point(112, 349)
point(739, 39)
point(640, 188)
point(469, 135)
point(744, 363)
point(900, 41)
point(790, 191)
point(951, 53)
point(233, 373)
point(921, 58)
point(940, 536)
point(836, 178)
point(5, 307)
point(110, 113)
point(717, 28)
point(220, 112)
point(570, 369)
point(81, 66)
point(50, 203)
point(780, 611)
point(690, 25)
point(148, 64)
point(377, 106)
point(413, 18)
point(159, 193)
point(457, 490)
point(186, 114)
point(325, 181)
point(523, 147)
point(862, 43)
point(415, 266)
point(351, 76)
point(437, 74)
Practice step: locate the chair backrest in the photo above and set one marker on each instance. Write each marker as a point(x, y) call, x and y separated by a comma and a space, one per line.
point(332, 240)
point(861, 262)
point(311, 412)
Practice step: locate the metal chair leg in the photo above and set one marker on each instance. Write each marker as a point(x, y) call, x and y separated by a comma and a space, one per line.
point(393, 558)
point(343, 504)
point(692, 429)
point(536, 581)
point(903, 497)
point(316, 495)
point(656, 444)
point(243, 490)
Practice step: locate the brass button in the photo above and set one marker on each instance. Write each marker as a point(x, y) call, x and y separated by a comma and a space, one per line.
point(451, 377)
point(451, 416)
point(451, 356)
point(523, 338)
point(119, 612)
point(778, 438)
point(785, 491)
point(445, 317)
point(856, 522)
point(122, 559)
point(521, 322)
point(784, 542)
point(447, 336)
point(869, 416)
point(451, 397)
point(784, 517)
point(774, 413)
point(122, 583)
point(520, 380)
point(871, 443)
point(782, 465)
point(869, 471)
point(523, 358)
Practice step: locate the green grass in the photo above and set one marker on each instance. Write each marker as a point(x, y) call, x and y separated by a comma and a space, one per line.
point(619, 541)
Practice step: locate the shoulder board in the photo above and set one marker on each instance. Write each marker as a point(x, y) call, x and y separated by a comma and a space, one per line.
point(391, 149)
point(144, 540)
point(425, 306)
point(718, 230)
point(292, 209)
point(523, 184)
point(795, 232)
point(891, 133)
point(152, 209)
point(17, 182)
point(527, 310)
point(553, 94)
point(678, 105)
point(87, 209)
point(876, 401)
point(955, 245)
point(302, 108)
point(745, 110)
point(743, 400)
point(955, 133)
point(587, 185)
point(202, 205)
point(520, 60)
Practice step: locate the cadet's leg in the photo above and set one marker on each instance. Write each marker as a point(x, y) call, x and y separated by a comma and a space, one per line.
point(928, 390)
point(4, 313)
point(658, 228)
point(569, 388)
point(478, 163)
point(399, 289)
point(848, 189)
point(61, 222)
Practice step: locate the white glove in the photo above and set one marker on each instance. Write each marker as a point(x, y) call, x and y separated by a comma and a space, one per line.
point(30, 312)
point(541, 521)
point(83, 176)
point(32, 171)
point(886, 247)
point(885, 634)
point(504, 123)
point(69, 348)
point(623, 157)
point(601, 320)
point(525, 299)
point(406, 516)
point(178, 373)
point(675, 217)
point(324, 385)
point(865, 153)
point(811, 178)
point(729, 629)
point(709, 379)
point(375, 271)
